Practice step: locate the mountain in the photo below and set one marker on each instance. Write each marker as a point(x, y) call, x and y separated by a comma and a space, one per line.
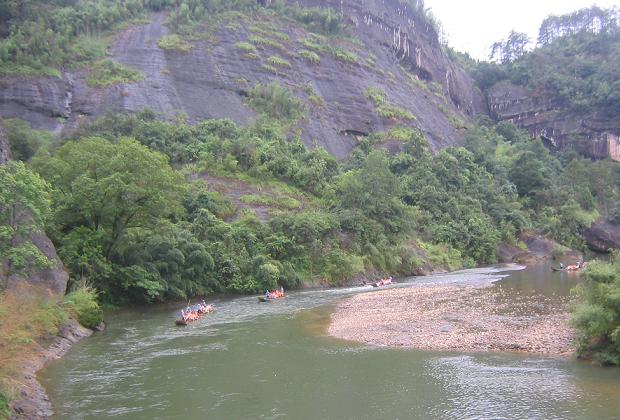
point(382, 45)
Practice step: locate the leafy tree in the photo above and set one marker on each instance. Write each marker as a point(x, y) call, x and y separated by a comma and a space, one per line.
point(110, 187)
point(597, 318)
point(24, 209)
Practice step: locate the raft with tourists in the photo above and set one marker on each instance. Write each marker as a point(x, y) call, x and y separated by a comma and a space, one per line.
point(193, 313)
point(276, 294)
point(573, 267)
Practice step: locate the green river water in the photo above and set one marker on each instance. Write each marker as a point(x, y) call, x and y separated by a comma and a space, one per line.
point(253, 360)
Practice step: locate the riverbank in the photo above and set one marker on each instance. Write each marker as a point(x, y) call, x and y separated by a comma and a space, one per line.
point(455, 318)
point(36, 327)
point(31, 400)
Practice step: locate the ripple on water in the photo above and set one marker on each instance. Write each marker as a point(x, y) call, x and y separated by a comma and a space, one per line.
point(490, 387)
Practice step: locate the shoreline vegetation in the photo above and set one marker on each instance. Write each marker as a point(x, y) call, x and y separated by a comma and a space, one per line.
point(455, 317)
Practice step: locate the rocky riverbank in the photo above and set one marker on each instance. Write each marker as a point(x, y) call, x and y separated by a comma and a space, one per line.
point(31, 401)
point(455, 318)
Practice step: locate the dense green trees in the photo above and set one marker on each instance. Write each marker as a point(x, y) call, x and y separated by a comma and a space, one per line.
point(140, 231)
point(24, 209)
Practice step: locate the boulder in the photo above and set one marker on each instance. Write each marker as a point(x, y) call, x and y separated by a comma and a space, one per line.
point(603, 236)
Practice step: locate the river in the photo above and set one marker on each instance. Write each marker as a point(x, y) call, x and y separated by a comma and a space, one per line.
point(274, 360)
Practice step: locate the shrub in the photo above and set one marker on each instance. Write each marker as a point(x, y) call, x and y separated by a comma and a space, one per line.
point(312, 45)
point(275, 101)
point(82, 303)
point(288, 203)
point(344, 55)
point(174, 43)
point(311, 56)
point(264, 42)
point(245, 46)
point(596, 319)
point(106, 73)
point(269, 68)
point(384, 108)
point(274, 60)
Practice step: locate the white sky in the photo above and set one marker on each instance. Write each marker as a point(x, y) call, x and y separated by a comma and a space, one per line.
point(473, 25)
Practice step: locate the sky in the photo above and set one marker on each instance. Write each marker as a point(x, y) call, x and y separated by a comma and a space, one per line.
point(473, 25)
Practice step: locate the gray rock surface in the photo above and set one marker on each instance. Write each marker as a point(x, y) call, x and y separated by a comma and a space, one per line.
point(5, 151)
point(542, 117)
point(210, 81)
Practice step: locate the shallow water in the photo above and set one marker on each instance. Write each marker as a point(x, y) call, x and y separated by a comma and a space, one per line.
point(274, 360)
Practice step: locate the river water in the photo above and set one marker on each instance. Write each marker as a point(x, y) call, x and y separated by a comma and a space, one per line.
point(274, 360)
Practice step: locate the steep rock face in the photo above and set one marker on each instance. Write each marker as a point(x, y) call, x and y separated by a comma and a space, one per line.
point(40, 101)
point(399, 53)
point(52, 279)
point(558, 126)
point(5, 152)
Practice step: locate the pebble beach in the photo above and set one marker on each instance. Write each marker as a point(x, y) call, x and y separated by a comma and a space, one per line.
point(455, 318)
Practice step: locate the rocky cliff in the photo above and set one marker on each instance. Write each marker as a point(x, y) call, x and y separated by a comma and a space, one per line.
point(52, 279)
point(396, 51)
point(598, 137)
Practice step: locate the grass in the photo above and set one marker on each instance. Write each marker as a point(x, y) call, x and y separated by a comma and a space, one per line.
point(313, 96)
point(316, 100)
point(311, 44)
point(275, 60)
point(269, 68)
point(343, 55)
point(252, 56)
point(310, 56)
point(384, 108)
point(107, 73)
point(4, 407)
point(275, 101)
point(265, 42)
point(174, 43)
point(319, 44)
point(269, 30)
point(401, 134)
point(287, 203)
point(88, 48)
point(245, 46)
point(11, 69)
